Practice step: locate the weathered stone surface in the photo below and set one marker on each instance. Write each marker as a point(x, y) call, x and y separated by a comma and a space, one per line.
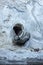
point(29, 13)
point(18, 57)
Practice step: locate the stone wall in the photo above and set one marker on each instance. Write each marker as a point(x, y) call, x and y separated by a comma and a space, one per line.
point(29, 13)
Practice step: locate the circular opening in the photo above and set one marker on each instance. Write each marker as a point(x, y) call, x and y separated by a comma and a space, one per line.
point(18, 29)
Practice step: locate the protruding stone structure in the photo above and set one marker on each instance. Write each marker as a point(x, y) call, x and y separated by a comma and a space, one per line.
point(20, 38)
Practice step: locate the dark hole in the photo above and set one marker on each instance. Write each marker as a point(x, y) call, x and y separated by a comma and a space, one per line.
point(17, 28)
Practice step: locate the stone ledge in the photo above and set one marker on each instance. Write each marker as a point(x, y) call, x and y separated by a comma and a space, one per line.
point(8, 57)
point(22, 62)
